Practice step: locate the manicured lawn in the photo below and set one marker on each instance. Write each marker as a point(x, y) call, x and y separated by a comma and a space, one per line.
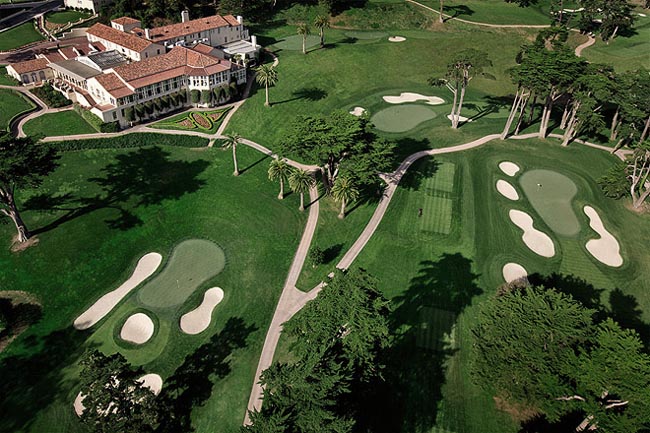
point(358, 72)
point(5, 79)
point(435, 280)
point(65, 17)
point(626, 52)
point(19, 36)
point(11, 104)
point(202, 121)
point(95, 217)
point(56, 124)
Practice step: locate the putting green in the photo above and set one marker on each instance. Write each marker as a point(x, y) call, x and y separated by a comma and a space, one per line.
point(295, 42)
point(551, 194)
point(402, 118)
point(190, 265)
point(366, 35)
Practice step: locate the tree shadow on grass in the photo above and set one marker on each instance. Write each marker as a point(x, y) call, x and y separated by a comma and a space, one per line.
point(33, 378)
point(311, 94)
point(424, 323)
point(422, 170)
point(259, 161)
point(456, 11)
point(144, 177)
point(191, 384)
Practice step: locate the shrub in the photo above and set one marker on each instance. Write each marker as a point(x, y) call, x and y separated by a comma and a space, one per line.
point(157, 103)
point(132, 141)
point(615, 183)
point(129, 114)
point(206, 96)
point(140, 111)
point(195, 96)
point(109, 127)
point(148, 107)
point(316, 256)
point(165, 101)
point(50, 96)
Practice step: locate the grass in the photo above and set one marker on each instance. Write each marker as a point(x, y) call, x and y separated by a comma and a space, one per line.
point(192, 262)
point(65, 17)
point(189, 122)
point(354, 72)
point(12, 104)
point(6, 79)
point(95, 217)
point(19, 36)
point(625, 52)
point(402, 118)
point(435, 280)
point(58, 124)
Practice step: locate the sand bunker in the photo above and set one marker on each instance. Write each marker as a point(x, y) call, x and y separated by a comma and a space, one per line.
point(146, 266)
point(539, 242)
point(152, 381)
point(198, 320)
point(358, 111)
point(606, 249)
point(397, 39)
point(509, 168)
point(507, 190)
point(78, 404)
point(413, 97)
point(642, 15)
point(514, 272)
point(137, 329)
point(460, 118)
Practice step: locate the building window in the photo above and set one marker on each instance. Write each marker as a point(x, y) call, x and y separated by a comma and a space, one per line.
point(114, 115)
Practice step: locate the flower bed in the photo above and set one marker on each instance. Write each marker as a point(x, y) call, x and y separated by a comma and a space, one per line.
point(204, 121)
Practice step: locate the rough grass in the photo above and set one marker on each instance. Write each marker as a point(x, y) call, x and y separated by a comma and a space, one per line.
point(94, 224)
point(19, 36)
point(6, 79)
point(426, 273)
point(58, 124)
point(65, 17)
point(11, 104)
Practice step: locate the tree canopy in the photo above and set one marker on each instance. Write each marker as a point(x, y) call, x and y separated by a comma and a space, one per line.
point(564, 362)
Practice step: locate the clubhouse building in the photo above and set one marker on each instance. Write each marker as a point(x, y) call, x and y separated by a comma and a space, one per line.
point(128, 73)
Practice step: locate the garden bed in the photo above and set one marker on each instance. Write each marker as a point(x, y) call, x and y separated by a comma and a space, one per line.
point(201, 121)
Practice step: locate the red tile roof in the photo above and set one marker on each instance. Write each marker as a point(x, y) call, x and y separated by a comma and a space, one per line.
point(30, 66)
point(190, 27)
point(125, 20)
point(114, 85)
point(52, 57)
point(127, 40)
point(68, 53)
point(179, 61)
point(203, 48)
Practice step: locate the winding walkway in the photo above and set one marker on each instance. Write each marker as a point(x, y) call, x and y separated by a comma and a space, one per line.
point(584, 45)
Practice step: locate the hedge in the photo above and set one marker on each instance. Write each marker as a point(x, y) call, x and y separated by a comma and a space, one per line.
point(50, 96)
point(139, 139)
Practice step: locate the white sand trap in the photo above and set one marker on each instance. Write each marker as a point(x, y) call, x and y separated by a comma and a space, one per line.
point(146, 266)
point(198, 320)
point(539, 242)
point(573, 10)
point(509, 168)
point(507, 190)
point(460, 118)
point(358, 111)
point(152, 381)
point(137, 329)
point(413, 97)
point(397, 39)
point(606, 249)
point(78, 404)
point(513, 272)
point(641, 15)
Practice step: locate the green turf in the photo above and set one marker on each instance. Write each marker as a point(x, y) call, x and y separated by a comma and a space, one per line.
point(94, 217)
point(402, 118)
point(58, 124)
point(294, 42)
point(19, 36)
point(552, 200)
point(11, 104)
point(65, 17)
point(427, 275)
point(7, 80)
point(190, 265)
point(624, 52)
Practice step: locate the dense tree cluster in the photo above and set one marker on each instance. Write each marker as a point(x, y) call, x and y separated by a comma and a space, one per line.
point(563, 362)
point(337, 339)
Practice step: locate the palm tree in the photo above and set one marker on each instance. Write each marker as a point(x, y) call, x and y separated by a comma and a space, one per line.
point(321, 23)
point(232, 140)
point(266, 76)
point(345, 191)
point(304, 31)
point(301, 181)
point(279, 170)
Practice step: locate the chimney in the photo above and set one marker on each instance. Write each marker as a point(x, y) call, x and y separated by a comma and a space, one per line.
point(240, 19)
point(146, 34)
point(185, 16)
point(254, 41)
